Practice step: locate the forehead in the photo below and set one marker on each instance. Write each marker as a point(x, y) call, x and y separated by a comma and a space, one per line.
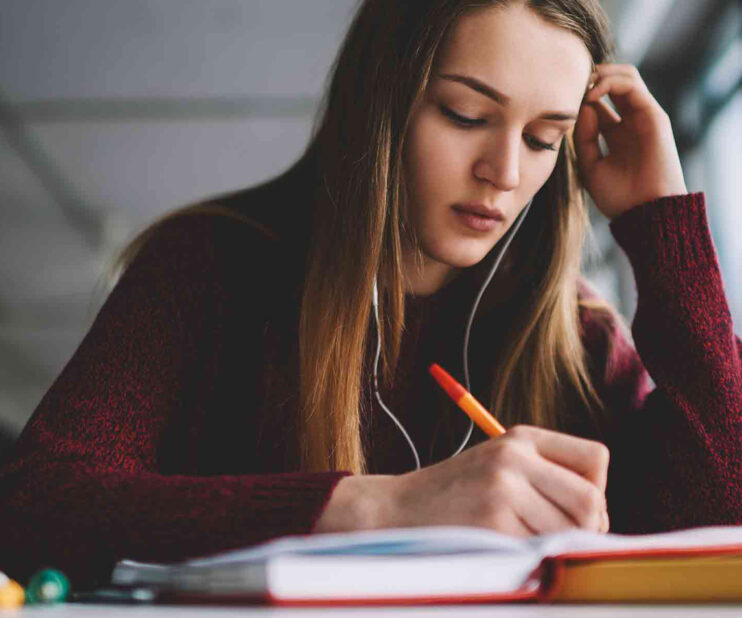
point(521, 54)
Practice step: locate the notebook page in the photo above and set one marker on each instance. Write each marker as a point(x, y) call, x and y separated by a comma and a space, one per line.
point(576, 540)
point(416, 541)
point(395, 541)
point(437, 540)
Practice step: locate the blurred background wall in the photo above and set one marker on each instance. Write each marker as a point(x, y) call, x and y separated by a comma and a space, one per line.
point(114, 112)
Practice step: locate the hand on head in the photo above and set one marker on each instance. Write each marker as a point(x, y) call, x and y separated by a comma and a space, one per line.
point(643, 162)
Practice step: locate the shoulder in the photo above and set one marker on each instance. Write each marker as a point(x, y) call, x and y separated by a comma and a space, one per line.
point(198, 266)
point(210, 227)
point(211, 238)
point(197, 260)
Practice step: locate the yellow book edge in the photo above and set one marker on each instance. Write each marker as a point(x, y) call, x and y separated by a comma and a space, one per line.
point(700, 579)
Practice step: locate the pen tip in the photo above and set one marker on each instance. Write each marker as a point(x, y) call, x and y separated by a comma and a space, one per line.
point(451, 386)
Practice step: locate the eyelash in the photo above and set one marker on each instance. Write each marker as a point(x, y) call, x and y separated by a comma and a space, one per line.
point(469, 123)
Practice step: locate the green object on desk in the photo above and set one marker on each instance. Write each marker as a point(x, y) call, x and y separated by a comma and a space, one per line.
point(47, 586)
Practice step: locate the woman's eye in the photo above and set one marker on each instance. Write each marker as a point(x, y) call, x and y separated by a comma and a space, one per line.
point(535, 144)
point(461, 120)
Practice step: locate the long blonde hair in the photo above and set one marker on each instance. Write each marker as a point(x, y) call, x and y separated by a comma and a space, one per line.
point(379, 75)
point(381, 72)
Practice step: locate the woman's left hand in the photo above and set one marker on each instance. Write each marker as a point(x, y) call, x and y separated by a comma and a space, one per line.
point(642, 163)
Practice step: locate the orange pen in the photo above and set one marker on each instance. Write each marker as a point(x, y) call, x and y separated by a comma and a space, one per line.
point(467, 402)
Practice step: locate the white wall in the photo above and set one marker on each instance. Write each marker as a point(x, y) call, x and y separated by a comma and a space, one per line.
point(130, 109)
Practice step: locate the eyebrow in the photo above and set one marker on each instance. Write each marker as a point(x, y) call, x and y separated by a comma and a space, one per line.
point(498, 96)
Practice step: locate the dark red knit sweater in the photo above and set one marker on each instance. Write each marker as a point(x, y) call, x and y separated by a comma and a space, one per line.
point(170, 433)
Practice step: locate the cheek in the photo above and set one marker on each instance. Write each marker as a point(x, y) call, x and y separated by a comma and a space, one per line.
point(541, 172)
point(535, 169)
point(435, 162)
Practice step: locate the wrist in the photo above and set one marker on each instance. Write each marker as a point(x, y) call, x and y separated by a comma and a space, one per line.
point(359, 502)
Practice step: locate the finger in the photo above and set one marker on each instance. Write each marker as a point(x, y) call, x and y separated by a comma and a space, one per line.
point(517, 526)
point(586, 139)
point(579, 499)
point(594, 118)
point(541, 514)
point(584, 457)
point(607, 116)
point(613, 68)
point(606, 522)
point(628, 93)
point(510, 522)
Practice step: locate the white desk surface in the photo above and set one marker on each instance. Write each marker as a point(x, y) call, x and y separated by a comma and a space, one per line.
point(77, 610)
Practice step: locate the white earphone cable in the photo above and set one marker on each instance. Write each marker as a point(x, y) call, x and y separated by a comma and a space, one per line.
point(470, 321)
point(498, 258)
point(376, 380)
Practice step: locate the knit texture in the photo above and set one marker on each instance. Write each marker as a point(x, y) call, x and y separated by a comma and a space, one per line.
point(171, 432)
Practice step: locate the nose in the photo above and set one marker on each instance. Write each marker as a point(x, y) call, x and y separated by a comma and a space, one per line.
point(499, 163)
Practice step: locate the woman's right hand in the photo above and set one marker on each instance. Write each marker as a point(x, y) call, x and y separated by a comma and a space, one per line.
point(528, 481)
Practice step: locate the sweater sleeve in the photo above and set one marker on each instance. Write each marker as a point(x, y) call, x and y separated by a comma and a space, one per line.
point(83, 488)
point(676, 450)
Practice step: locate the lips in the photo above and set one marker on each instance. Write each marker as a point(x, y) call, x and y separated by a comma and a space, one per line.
point(482, 210)
point(478, 218)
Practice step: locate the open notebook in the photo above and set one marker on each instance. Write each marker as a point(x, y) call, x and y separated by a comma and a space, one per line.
point(457, 564)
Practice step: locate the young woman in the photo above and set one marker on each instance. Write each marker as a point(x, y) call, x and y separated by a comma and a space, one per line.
point(227, 392)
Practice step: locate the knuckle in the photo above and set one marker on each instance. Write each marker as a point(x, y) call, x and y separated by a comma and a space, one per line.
point(507, 482)
point(500, 496)
point(521, 432)
point(501, 481)
point(510, 452)
point(602, 455)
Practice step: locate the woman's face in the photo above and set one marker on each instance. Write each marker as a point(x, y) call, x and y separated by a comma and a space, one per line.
point(504, 91)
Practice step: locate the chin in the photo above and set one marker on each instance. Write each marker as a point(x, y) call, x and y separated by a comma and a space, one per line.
point(461, 254)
